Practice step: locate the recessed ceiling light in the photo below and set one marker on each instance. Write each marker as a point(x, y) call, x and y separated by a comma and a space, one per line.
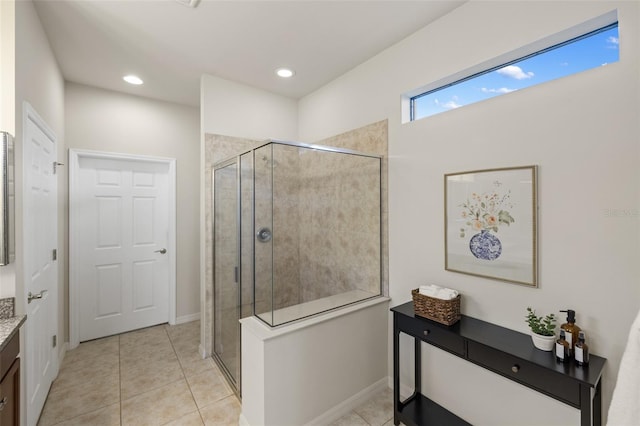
point(133, 79)
point(284, 72)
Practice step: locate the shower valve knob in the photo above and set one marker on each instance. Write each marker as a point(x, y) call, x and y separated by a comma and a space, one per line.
point(264, 235)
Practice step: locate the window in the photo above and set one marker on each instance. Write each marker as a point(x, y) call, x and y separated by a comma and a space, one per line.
point(579, 53)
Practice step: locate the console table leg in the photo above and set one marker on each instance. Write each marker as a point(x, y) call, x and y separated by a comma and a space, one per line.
point(589, 411)
point(418, 366)
point(396, 370)
point(597, 405)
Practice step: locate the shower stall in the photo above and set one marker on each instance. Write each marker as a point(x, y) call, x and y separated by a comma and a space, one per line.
point(297, 232)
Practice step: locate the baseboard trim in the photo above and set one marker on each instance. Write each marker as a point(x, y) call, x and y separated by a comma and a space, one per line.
point(342, 409)
point(61, 353)
point(346, 406)
point(187, 318)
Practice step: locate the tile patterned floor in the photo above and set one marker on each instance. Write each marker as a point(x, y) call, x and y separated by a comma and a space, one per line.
point(155, 376)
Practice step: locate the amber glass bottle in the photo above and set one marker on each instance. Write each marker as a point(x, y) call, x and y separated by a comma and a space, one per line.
point(570, 328)
point(563, 350)
point(581, 352)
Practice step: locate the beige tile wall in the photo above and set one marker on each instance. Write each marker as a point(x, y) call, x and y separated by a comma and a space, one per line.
point(340, 234)
point(373, 139)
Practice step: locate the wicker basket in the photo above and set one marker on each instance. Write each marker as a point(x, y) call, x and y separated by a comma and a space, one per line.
point(445, 312)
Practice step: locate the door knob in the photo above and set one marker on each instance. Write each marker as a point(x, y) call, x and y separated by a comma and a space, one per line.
point(161, 251)
point(32, 296)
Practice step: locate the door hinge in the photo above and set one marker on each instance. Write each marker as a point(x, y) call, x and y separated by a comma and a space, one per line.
point(236, 274)
point(55, 166)
point(55, 340)
point(55, 254)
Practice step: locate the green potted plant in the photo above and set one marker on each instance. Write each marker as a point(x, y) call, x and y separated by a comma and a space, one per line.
point(543, 329)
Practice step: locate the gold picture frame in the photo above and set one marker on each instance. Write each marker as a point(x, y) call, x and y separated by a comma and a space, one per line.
point(491, 222)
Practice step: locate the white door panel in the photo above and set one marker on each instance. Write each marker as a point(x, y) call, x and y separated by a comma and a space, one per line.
point(40, 268)
point(122, 220)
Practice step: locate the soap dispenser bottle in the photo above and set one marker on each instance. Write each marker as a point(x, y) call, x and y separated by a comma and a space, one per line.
point(563, 349)
point(571, 329)
point(582, 351)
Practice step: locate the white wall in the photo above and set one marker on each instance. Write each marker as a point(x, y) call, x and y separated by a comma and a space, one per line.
point(233, 109)
point(7, 108)
point(7, 65)
point(103, 120)
point(316, 370)
point(39, 82)
point(582, 131)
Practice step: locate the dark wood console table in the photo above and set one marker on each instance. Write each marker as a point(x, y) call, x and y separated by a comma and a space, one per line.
point(500, 350)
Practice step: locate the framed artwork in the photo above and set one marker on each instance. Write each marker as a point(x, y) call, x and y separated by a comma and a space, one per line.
point(490, 223)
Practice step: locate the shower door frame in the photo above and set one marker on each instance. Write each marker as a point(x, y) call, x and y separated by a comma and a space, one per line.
point(237, 159)
point(237, 381)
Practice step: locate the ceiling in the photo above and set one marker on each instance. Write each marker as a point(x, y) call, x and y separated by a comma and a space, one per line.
point(170, 45)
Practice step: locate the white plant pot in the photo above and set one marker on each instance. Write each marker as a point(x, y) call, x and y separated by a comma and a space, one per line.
point(544, 343)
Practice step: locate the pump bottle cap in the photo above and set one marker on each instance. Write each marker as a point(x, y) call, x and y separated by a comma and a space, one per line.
point(571, 315)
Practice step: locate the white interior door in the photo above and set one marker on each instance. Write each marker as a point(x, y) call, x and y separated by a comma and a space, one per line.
point(122, 243)
point(40, 268)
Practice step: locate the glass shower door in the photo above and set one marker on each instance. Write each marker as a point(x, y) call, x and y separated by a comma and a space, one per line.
point(226, 266)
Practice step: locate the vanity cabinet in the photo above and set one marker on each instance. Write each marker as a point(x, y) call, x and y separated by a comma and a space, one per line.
point(506, 352)
point(10, 383)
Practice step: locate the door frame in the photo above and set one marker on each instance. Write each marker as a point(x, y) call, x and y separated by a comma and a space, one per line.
point(74, 286)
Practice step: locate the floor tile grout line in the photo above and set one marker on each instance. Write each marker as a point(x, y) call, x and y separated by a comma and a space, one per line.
point(185, 379)
point(157, 386)
point(120, 372)
point(71, 418)
point(363, 419)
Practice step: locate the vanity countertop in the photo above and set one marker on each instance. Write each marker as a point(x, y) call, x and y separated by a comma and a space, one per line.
point(9, 327)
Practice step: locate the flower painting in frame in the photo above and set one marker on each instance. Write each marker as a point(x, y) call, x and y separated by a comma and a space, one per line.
point(491, 224)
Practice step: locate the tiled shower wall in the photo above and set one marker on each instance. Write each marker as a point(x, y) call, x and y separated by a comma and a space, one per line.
point(339, 237)
point(310, 261)
point(372, 139)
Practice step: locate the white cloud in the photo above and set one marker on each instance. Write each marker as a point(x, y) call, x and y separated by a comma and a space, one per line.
point(452, 104)
point(514, 71)
point(500, 90)
point(613, 42)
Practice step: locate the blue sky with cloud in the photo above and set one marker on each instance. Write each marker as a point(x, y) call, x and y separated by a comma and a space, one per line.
point(590, 52)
